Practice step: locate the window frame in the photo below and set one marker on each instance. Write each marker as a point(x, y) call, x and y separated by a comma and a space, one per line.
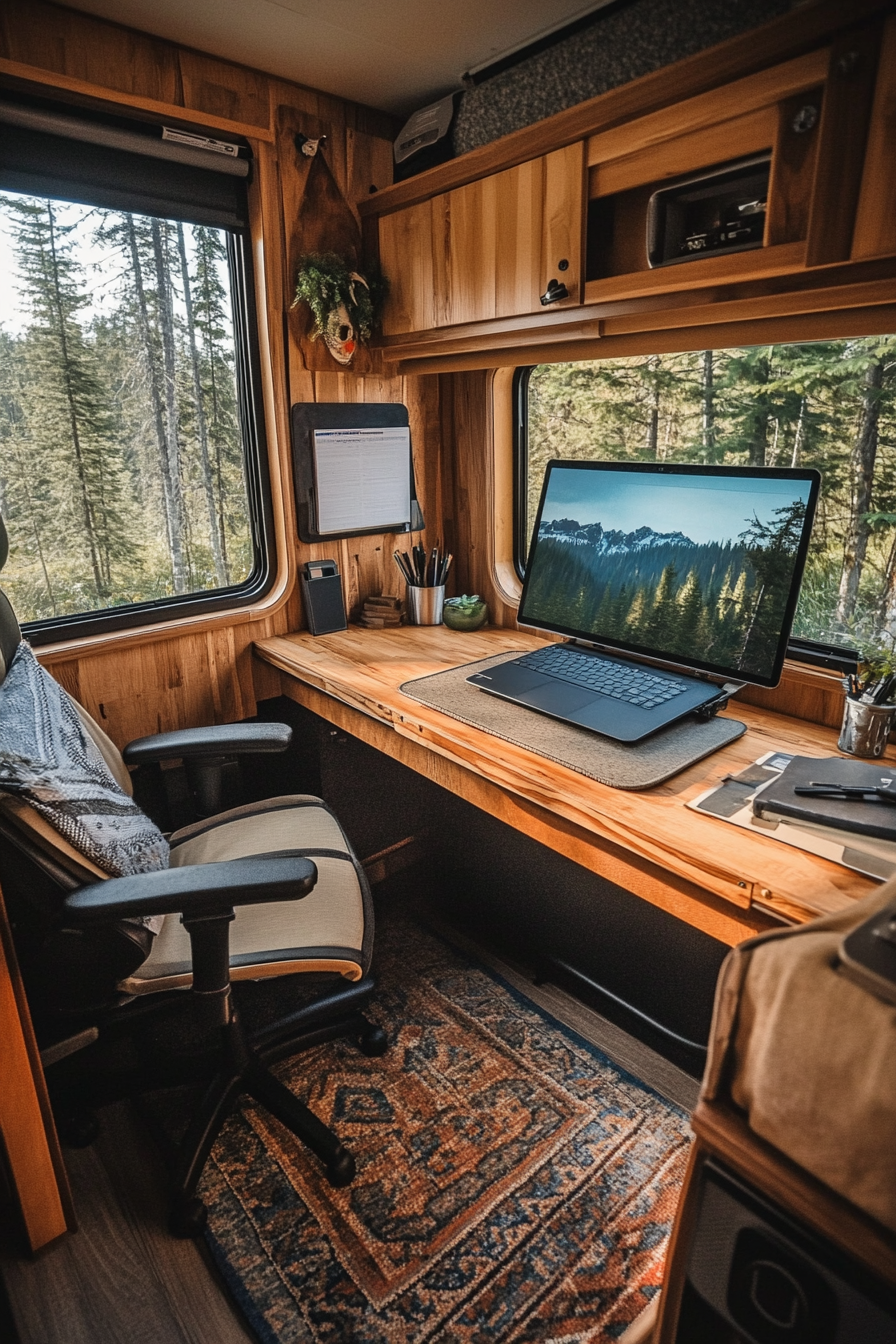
point(816, 654)
point(264, 576)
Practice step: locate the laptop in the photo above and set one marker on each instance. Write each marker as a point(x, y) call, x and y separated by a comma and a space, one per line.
point(674, 584)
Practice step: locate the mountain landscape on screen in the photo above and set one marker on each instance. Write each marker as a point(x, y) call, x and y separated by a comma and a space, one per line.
point(722, 601)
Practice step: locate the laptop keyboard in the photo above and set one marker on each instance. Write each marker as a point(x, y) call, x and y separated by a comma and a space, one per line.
point(634, 685)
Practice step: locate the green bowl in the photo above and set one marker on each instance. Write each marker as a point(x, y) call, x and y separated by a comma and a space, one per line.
point(464, 618)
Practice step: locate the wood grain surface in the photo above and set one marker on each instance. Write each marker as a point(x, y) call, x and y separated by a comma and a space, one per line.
point(363, 669)
point(123, 1279)
point(793, 35)
point(33, 1162)
point(875, 227)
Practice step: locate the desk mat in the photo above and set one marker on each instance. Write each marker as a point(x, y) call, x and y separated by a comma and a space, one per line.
point(617, 764)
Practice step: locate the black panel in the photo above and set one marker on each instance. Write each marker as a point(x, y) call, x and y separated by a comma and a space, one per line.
point(43, 165)
point(309, 416)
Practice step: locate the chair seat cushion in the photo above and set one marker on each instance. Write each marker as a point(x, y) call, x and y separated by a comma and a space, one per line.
point(331, 929)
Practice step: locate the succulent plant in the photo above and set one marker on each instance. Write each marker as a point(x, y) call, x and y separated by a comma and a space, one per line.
point(465, 613)
point(465, 603)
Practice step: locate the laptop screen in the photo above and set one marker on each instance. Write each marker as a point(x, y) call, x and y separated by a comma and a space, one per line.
point(698, 566)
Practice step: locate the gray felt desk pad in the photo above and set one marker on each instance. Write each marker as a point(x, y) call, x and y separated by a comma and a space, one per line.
point(622, 766)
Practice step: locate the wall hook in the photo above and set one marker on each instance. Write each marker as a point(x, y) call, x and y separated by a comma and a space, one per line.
point(308, 146)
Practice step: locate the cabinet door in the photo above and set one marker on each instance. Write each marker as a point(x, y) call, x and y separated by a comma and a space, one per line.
point(875, 229)
point(488, 249)
point(540, 229)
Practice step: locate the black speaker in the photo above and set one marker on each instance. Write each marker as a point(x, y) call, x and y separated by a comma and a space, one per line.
point(322, 597)
point(757, 1276)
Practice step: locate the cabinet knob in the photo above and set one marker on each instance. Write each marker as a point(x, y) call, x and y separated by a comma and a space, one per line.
point(555, 291)
point(805, 119)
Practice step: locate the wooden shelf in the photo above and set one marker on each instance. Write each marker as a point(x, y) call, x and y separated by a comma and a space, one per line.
point(736, 267)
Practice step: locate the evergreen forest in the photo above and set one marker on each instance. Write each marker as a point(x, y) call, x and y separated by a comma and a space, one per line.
point(828, 404)
point(723, 602)
point(121, 470)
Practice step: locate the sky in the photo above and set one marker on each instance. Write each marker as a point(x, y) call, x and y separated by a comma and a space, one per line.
point(709, 508)
point(102, 268)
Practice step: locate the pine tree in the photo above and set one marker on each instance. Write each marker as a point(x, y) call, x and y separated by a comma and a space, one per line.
point(660, 626)
point(64, 397)
point(691, 618)
point(157, 381)
point(213, 323)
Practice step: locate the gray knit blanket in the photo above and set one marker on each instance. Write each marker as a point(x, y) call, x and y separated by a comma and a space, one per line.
point(48, 759)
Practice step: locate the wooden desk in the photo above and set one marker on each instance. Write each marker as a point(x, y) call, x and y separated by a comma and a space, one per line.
point(717, 878)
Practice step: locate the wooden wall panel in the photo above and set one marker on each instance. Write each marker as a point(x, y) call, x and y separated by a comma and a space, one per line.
point(83, 47)
point(225, 90)
point(468, 426)
point(357, 161)
point(151, 680)
point(30, 1148)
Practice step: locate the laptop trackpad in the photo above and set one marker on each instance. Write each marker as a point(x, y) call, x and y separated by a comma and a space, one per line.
point(559, 698)
point(513, 679)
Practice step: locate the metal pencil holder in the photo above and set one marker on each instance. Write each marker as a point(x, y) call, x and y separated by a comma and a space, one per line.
point(425, 604)
point(865, 728)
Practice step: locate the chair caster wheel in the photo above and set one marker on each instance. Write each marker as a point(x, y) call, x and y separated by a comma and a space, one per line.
point(79, 1130)
point(373, 1043)
point(188, 1219)
point(341, 1169)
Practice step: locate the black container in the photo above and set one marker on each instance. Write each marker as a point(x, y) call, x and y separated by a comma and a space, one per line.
point(425, 140)
point(322, 597)
point(715, 212)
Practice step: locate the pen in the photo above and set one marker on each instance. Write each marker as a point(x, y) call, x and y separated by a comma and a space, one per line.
point(404, 565)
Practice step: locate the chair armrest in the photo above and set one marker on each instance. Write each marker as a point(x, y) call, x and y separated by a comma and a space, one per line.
point(195, 891)
point(224, 739)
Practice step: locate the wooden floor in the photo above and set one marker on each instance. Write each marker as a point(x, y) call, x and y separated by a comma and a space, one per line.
point(121, 1279)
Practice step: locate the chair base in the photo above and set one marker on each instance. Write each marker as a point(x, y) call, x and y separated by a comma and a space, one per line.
point(244, 1070)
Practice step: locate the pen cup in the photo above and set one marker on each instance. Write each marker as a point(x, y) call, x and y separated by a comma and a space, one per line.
point(425, 604)
point(865, 728)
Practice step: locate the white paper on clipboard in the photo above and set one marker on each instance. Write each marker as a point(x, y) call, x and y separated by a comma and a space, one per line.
point(362, 479)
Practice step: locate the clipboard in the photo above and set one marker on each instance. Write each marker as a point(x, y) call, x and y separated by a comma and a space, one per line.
point(337, 448)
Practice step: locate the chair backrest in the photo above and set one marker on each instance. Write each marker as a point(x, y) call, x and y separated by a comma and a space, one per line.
point(65, 969)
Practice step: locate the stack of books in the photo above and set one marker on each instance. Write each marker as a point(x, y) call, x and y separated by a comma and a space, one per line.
point(380, 611)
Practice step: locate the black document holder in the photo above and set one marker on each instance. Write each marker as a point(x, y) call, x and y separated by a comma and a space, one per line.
point(308, 416)
point(322, 597)
point(871, 816)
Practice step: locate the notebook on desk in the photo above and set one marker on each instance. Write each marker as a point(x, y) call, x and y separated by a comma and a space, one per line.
point(686, 578)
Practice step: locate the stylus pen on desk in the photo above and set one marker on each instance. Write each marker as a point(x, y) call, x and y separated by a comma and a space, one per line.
point(847, 792)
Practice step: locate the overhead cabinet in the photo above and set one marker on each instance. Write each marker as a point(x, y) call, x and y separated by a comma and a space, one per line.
point(488, 249)
point(469, 266)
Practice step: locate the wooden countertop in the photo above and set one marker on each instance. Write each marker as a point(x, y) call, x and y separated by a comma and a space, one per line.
point(648, 841)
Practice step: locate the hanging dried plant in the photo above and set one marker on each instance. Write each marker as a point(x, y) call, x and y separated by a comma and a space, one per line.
point(345, 305)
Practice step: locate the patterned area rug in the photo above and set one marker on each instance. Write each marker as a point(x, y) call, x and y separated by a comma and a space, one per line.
point(513, 1184)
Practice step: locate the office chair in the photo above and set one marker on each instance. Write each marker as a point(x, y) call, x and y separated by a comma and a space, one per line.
point(263, 913)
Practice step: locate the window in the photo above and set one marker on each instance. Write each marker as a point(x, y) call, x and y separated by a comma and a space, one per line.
point(830, 405)
point(132, 479)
